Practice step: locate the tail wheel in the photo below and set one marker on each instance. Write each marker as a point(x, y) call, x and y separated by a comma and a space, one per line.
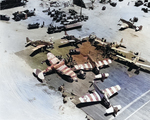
point(137, 71)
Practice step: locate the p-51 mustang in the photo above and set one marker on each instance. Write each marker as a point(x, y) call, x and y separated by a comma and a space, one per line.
point(101, 96)
point(39, 45)
point(135, 63)
point(92, 65)
point(58, 66)
point(129, 24)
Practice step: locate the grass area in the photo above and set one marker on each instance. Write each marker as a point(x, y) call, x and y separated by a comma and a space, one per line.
point(61, 51)
point(35, 61)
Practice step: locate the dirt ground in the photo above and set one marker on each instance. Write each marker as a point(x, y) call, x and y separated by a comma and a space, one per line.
point(85, 49)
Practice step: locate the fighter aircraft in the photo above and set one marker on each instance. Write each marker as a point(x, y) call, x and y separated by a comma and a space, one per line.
point(129, 24)
point(71, 40)
point(135, 63)
point(56, 66)
point(101, 96)
point(39, 45)
point(92, 65)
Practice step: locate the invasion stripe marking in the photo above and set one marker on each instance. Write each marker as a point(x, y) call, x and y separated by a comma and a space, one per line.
point(111, 90)
point(82, 100)
point(69, 72)
point(87, 98)
point(90, 65)
point(100, 63)
point(97, 96)
point(61, 67)
point(114, 89)
point(93, 97)
point(118, 87)
point(86, 66)
point(54, 60)
point(108, 92)
point(76, 67)
point(80, 66)
point(105, 62)
point(109, 60)
point(90, 97)
point(66, 69)
point(50, 56)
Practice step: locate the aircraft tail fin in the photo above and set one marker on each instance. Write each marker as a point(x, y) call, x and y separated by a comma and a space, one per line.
point(136, 58)
point(39, 74)
point(28, 41)
point(121, 41)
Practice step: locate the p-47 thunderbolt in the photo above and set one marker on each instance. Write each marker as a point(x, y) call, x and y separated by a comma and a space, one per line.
point(39, 45)
point(100, 96)
point(56, 66)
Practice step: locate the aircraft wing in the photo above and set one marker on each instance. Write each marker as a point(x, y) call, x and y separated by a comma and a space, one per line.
point(120, 49)
point(126, 59)
point(112, 90)
point(93, 97)
point(141, 64)
point(127, 22)
point(103, 62)
point(66, 43)
point(64, 70)
point(52, 58)
point(87, 66)
point(38, 47)
point(99, 41)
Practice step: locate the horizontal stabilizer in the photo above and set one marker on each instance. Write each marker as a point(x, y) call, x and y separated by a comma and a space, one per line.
point(111, 109)
point(36, 71)
point(102, 75)
point(39, 74)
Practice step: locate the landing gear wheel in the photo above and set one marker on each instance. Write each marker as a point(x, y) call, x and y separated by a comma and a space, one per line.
point(137, 71)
